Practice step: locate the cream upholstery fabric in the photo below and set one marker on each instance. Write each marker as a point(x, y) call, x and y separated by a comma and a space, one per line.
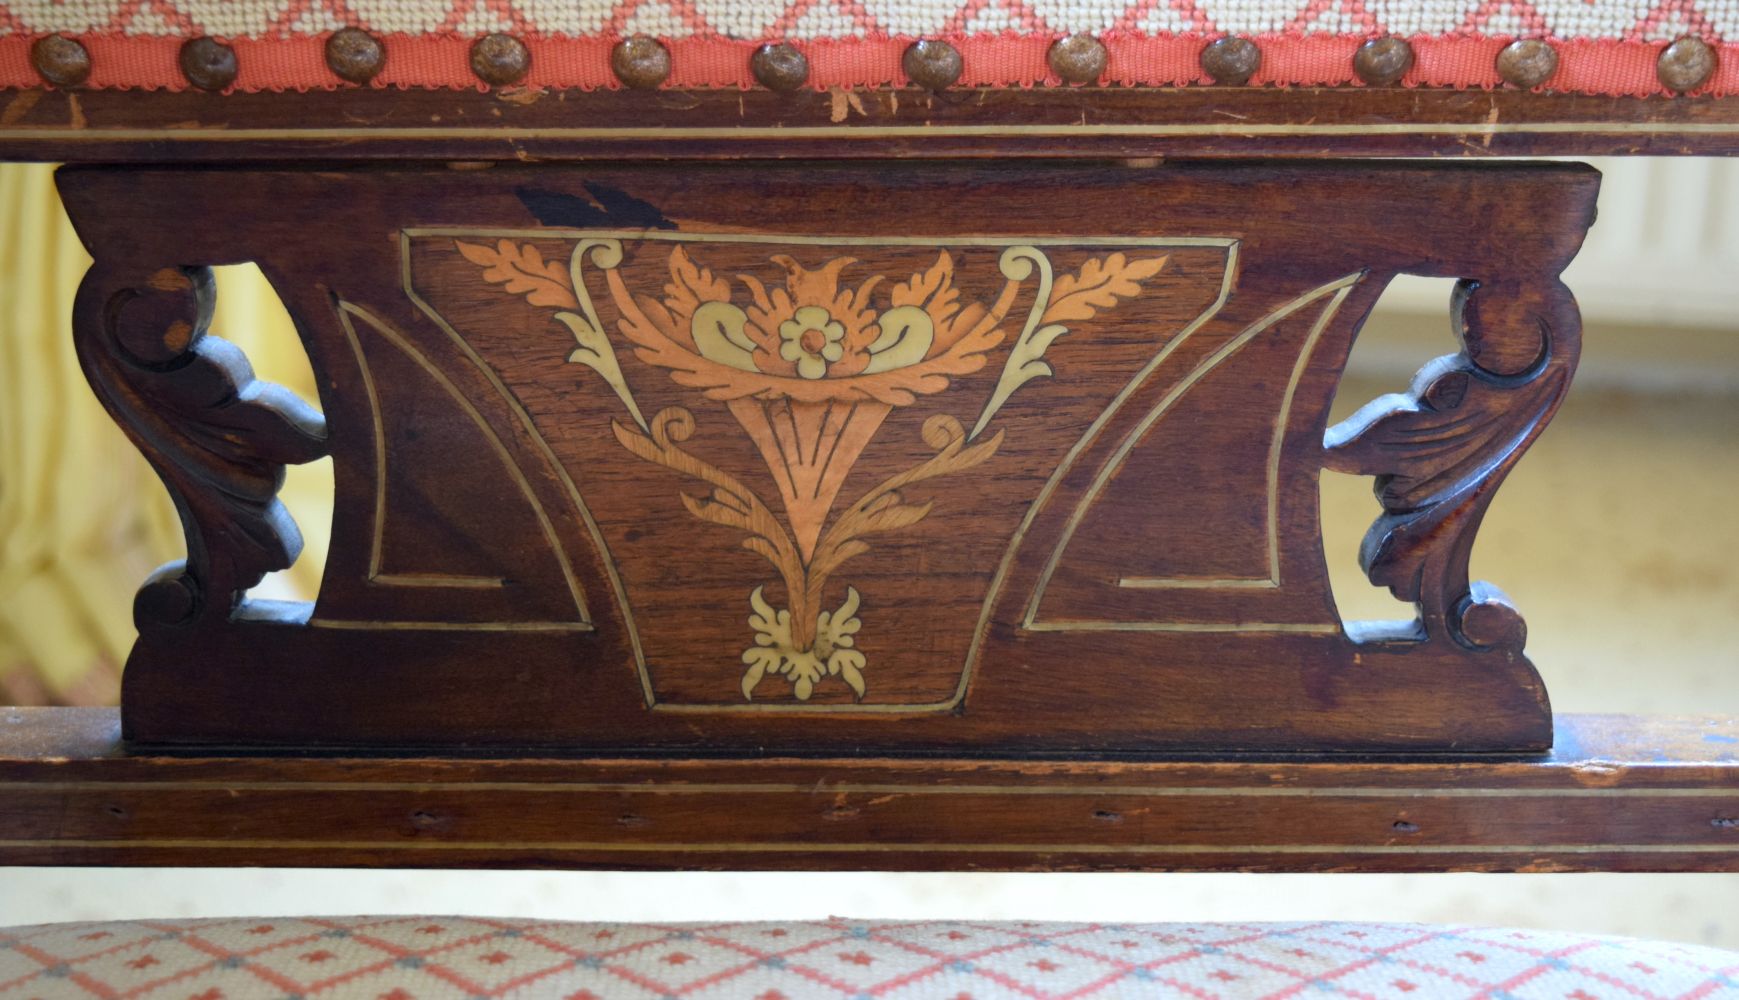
point(463, 958)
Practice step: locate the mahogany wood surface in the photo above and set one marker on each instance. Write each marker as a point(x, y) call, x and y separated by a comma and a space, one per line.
point(1617, 793)
point(592, 604)
point(911, 457)
point(193, 126)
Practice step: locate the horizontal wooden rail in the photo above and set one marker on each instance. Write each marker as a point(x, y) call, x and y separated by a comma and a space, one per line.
point(1618, 793)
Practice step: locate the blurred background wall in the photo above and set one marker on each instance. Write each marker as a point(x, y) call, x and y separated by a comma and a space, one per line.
point(82, 518)
point(1616, 537)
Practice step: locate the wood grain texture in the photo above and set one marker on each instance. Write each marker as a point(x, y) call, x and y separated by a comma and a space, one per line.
point(218, 438)
point(1617, 793)
point(1440, 452)
point(918, 457)
point(394, 125)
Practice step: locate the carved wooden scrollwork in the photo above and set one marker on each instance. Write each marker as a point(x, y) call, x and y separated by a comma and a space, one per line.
point(219, 438)
point(1440, 451)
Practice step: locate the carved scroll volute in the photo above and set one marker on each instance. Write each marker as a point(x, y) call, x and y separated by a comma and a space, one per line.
point(1440, 451)
point(218, 438)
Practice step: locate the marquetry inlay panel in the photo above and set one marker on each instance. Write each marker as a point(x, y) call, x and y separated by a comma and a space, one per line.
point(812, 456)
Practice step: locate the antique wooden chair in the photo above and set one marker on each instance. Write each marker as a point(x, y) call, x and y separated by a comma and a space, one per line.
point(845, 436)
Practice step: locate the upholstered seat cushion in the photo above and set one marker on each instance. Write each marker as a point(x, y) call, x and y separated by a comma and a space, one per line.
point(424, 958)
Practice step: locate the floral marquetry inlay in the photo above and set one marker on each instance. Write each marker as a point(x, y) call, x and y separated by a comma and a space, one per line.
point(780, 458)
point(810, 360)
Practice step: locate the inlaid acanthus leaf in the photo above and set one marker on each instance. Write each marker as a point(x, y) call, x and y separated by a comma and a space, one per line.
point(934, 288)
point(884, 508)
point(522, 269)
point(1099, 284)
point(691, 284)
point(730, 504)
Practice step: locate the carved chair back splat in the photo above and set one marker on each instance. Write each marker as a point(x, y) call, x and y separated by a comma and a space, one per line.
point(808, 504)
point(957, 474)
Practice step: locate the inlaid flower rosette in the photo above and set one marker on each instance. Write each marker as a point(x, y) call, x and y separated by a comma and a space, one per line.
point(810, 355)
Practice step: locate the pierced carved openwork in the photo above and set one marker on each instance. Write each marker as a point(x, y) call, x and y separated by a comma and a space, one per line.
point(1023, 459)
point(219, 438)
point(1440, 451)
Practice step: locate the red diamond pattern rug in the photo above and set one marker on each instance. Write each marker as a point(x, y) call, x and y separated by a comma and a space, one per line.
point(463, 958)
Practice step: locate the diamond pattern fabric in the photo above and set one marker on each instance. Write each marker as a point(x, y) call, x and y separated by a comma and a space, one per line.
point(1604, 46)
point(465, 958)
point(805, 20)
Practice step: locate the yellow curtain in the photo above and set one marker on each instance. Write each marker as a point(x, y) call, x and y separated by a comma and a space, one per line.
point(82, 516)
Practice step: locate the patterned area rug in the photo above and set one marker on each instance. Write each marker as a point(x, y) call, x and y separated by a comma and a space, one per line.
point(437, 958)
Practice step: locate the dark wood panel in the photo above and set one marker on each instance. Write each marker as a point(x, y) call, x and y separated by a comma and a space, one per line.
point(110, 126)
point(912, 457)
point(1619, 793)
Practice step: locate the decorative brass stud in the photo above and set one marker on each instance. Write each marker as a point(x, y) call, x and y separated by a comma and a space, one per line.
point(779, 66)
point(640, 62)
point(500, 59)
point(60, 60)
point(1527, 63)
point(1078, 58)
point(932, 64)
point(1381, 62)
point(208, 63)
point(1686, 64)
point(1231, 61)
point(354, 55)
